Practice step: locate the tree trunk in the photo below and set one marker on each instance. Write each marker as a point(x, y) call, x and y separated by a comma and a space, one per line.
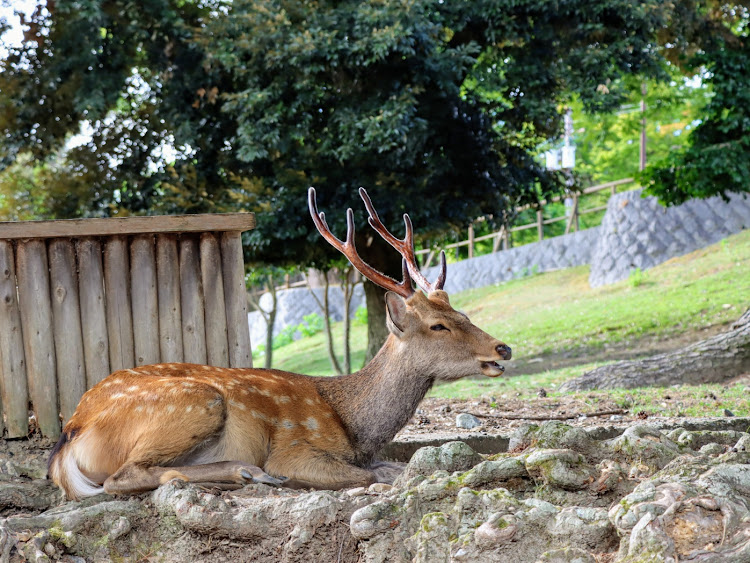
point(270, 322)
point(349, 280)
point(381, 256)
point(714, 360)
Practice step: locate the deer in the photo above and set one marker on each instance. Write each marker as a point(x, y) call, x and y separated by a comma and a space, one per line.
point(229, 427)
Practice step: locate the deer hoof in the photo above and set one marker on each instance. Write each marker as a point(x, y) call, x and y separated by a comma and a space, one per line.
point(262, 477)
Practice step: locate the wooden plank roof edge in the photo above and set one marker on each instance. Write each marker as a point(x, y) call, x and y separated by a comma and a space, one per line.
point(140, 224)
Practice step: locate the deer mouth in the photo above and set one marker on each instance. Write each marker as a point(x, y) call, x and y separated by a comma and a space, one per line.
point(492, 369)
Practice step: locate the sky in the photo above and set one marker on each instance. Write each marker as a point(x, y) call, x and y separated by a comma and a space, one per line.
point(7, 12)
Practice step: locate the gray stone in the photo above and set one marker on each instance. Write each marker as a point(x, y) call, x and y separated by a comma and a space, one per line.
point(452, 456)
point(467, 421)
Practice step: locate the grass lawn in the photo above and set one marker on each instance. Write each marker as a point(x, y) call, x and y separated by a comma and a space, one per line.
point(558, 313)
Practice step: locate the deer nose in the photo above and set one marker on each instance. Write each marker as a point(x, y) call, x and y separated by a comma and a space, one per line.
point(504, 351)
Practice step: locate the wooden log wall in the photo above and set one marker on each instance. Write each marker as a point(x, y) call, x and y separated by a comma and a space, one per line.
point(80, 299)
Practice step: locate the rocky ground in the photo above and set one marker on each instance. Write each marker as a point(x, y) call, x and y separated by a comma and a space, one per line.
point(586, 490)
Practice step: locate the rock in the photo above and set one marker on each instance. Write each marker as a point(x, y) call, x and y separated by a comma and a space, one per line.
point(712, 449)
point(467, 421)
point(497, 530)
point(562, 469)
point(493, 473)
point(687, 518)
point(451, 456)
point(380, 488)
point(551, 434)
point(644, 445)
point(567, 555)
point(743, 444)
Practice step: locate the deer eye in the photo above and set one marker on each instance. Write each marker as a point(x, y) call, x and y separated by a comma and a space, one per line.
point(439, 327)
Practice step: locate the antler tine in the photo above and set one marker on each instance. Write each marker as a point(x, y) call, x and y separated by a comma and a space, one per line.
point(404, 246)
point(349, 250)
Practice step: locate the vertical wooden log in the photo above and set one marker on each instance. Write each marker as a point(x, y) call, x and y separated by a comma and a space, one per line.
point(14, 392)
point(144, 300)
point(117, 291)
point(540, 224)
point(170, 317)
point(68, 336)
point(191, 299)
point(39, 347)
point(238, 330)
point(217, 349)
point(93, 312)
point(471, 241)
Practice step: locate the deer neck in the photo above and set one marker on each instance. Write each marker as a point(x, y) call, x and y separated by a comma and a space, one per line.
point(377, 401)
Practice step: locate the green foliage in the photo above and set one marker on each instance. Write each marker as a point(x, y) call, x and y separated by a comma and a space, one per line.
point(360, 316)
point(439, 103)
point(636, 277)
point(716, 160)
point(312, 325)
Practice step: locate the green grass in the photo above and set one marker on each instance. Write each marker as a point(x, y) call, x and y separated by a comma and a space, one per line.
point(558, 312)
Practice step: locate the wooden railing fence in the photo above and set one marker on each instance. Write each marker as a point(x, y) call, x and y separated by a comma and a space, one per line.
point(80, 299)
point(502, 237)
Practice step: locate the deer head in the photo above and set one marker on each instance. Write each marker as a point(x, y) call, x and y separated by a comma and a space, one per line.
point(441, 341)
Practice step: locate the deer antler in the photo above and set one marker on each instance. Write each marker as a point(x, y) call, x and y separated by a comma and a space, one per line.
point(404, 246)
point(403, 288)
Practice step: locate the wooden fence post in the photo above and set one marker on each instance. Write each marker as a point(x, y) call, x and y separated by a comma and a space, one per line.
point(39, 347)
point(93, 315)
point(217, 350)
point(168, 291)
point(119, 308)
point(471, 241)
point(191, 299)
point(540, 224)
point(238, 331)
point(13, 387)
point(143, 300)
point(68, 336)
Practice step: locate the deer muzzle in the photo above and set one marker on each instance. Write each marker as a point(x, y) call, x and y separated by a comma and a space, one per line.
point(491, 368)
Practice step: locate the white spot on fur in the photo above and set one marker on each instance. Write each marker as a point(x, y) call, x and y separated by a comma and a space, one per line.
point(311, 423)
point(235, 404)
point(189, 408)
point(170, 408)
point(117, 396)
point(282, 399)
point(309, 401)
point(288, 424)
point(132, 389)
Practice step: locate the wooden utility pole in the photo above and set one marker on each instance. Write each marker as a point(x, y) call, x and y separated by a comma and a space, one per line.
point(643, 127)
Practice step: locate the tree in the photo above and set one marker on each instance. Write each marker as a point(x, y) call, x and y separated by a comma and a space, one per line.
point(436, 107)
point(713, 360)
point(717, 158)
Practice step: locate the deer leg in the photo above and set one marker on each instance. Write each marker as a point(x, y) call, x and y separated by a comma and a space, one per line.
point(308, 467)
point(133, 478)
point(387, 471)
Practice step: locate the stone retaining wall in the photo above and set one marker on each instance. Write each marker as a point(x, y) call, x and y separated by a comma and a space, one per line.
point(637, 232)
point(565, 251)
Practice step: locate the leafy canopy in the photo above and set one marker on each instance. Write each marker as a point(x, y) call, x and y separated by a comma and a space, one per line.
point(436, 107)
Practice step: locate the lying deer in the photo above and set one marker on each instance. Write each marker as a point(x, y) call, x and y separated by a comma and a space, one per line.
point(139, 428)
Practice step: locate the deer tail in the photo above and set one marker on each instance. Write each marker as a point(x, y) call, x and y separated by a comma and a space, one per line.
point(63, 469)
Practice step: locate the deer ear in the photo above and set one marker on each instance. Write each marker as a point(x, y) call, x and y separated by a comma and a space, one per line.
point(396, 309)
